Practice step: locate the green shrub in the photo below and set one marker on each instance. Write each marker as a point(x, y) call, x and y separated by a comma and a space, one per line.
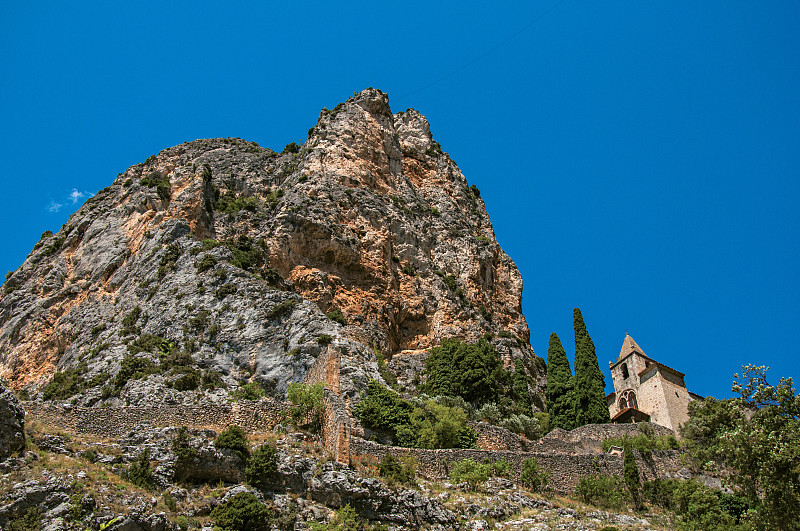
point(338, 316)
point(291, 147)
point(532, 477)
point(502, 468)
point(345, 519)
point(184, 454)
point(246, 255)
point(66, 384)
point(308, 406)
point(211, 380)
point(437, 426)
point(603, 491)
point(180, 446)
point(225, 290)
point(521, 424)
point(89, 455)
point(488, 412)
point(262, 467)
point(129, 322)
point(139, 472)
point(324, 339)
point(151, 343)
point(470, 472)
point(699, 507)
point(249, 391)
point(132, 368)
point(243, 512)
point(660, 492)
point(429, 425)
point(169, 259)
point(450, 282)
point(282, 308)
point(233, 438)
point(644, 442)
point(383, 369)
point(231, 203)
point(28, 520)
point(206, 263)
point(382, 409)
point(271, 276)
point(160, 182)
point(187, 382)
point(398, 471)
point(543, 419)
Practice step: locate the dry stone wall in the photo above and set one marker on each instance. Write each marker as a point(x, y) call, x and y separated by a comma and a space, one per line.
point(565, 469)
point(255, 416)
point(491, 437)
point(336, 435)
point(566, 456)
point(589, 438)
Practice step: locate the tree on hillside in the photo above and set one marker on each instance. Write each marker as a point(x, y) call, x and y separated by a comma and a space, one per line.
point(560, 401)
point(631, 474)
point(473, 372)
point(756, 437)
point(590, 397)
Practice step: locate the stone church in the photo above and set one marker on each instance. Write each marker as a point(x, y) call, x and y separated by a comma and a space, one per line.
point(645, 389)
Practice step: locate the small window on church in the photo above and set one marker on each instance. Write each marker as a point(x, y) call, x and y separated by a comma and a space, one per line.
point(625, 371)
point(628, 399)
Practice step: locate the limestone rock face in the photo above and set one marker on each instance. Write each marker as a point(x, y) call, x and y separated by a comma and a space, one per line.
point(235, 253)
point(12, 423)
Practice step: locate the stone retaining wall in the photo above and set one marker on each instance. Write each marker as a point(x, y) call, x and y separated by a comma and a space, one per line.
point(565, 469)
point(255, 416)
point(565, 455)
point(491, 437)
point(336, 435)
point(325, 369)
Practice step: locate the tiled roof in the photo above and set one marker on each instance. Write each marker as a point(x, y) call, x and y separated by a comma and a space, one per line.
point(662, 366)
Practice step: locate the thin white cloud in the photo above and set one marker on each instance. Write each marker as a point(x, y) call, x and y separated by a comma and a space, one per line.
point(72, 198)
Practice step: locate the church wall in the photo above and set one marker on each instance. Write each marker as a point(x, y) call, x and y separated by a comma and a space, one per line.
point(677, 401)
point(652, 399)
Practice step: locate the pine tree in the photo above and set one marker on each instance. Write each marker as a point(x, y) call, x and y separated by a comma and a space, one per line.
point(589, 390)
point(560, 401)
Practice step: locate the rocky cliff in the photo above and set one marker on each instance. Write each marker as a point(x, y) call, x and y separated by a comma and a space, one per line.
point(226, 257)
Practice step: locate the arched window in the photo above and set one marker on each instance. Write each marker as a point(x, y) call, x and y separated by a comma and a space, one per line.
point(628, 399)
point(624, 368)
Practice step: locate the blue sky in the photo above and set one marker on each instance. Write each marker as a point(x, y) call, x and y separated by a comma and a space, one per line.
point(639, 160)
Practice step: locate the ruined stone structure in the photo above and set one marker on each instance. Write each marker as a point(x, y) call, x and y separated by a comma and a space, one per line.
point(645, 389)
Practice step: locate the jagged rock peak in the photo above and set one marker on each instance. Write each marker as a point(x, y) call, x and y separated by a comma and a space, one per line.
point(234, 253)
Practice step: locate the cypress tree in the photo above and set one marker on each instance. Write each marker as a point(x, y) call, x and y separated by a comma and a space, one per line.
point(631, 473)
point(560, 402)
point(589, 390)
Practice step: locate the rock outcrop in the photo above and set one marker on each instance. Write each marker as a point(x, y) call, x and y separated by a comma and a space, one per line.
point(234, 254)
point(12, 423)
